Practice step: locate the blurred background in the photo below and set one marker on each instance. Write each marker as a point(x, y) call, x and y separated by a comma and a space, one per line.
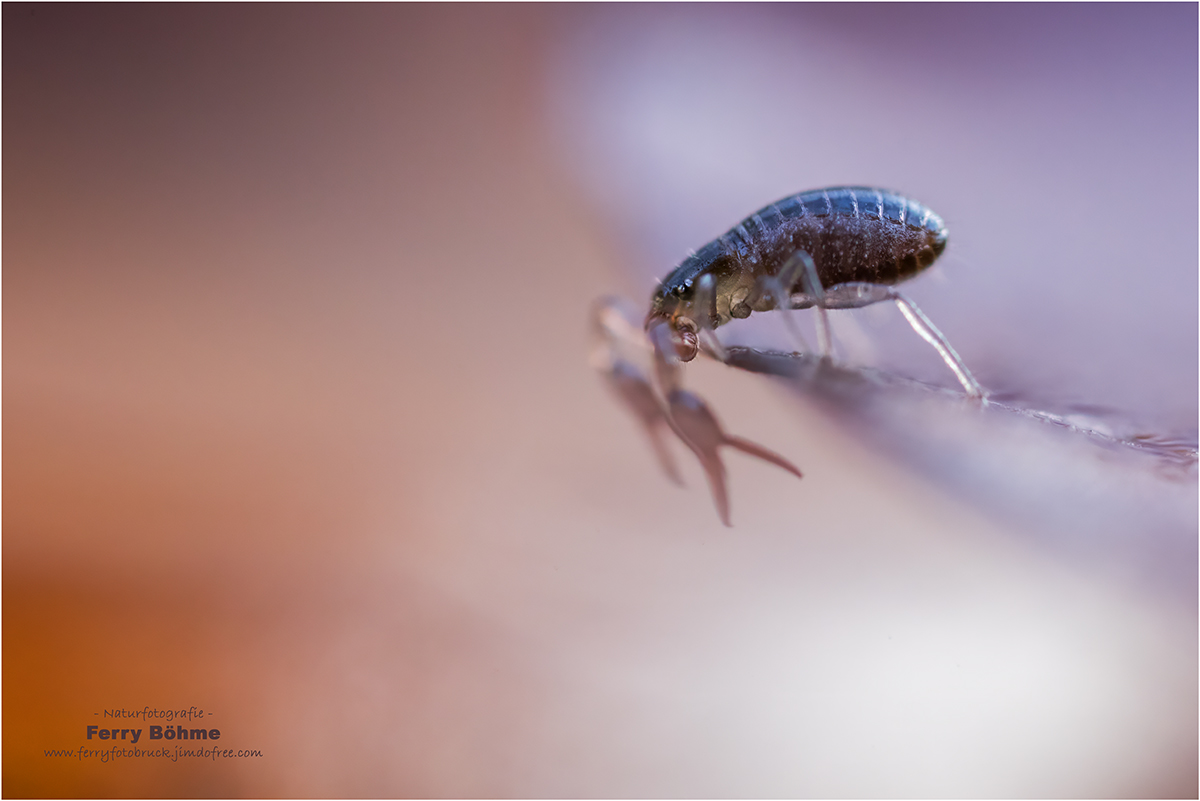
point(299, 427)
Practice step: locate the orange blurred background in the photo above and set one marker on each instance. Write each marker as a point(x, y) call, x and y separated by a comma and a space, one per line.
point(299, 430)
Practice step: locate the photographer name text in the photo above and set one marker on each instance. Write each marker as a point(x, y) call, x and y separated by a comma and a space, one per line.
point(156, 733)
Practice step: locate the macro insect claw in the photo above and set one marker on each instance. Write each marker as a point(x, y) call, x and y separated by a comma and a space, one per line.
point(700, 430)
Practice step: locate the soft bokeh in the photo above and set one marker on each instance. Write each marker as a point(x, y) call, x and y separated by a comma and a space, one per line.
point(299, 427)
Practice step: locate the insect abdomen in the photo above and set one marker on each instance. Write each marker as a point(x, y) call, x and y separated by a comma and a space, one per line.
point(852, 233)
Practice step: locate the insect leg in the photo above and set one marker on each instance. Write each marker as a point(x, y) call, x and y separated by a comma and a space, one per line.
point(770, 286)
point(855, 295)
point(801, 269)
point(928, 331)
point(666, 361)
point(705, 304)
point(813, 288)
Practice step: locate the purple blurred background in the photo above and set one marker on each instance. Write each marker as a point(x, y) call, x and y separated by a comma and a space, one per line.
point(299, 426)
point(1057, 142)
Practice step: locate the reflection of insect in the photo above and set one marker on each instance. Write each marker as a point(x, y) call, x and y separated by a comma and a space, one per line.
point(838, 248)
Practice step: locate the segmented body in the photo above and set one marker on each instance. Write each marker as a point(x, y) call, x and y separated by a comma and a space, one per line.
point(853, 234)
